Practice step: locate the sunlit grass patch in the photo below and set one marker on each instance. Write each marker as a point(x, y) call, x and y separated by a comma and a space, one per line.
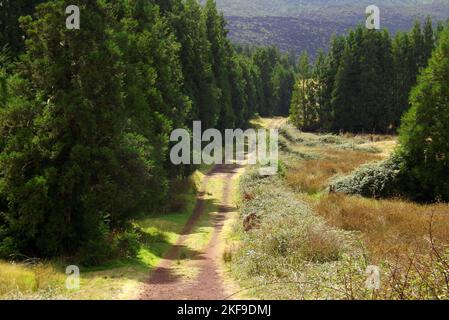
point(119, 279)
point(313, 159)
point(41, 280)
point(312, 176)
point(388, 227)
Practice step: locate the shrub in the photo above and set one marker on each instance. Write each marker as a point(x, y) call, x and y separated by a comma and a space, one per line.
point(128, 244)
point(96, 251)
point(378, 179)
point(7, 247)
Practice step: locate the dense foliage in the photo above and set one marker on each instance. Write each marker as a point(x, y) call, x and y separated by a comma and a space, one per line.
point(424, 137)
point(85, 115)
point(10, 32)
point(363, 83)
point(418, 169)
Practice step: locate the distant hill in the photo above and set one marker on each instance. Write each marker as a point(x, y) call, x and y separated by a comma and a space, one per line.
point(282, 8)
point(296, 25)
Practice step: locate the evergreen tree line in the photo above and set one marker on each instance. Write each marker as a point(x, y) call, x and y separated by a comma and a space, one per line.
point(418, 169)
point(86, 115)
point(423, 154)
point(363, 84)
point(371, 83)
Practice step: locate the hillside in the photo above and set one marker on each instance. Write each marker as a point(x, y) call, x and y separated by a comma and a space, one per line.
point(308, 25)
point(284, 8)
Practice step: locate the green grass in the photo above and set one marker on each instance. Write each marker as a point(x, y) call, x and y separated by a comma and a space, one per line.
point(118, 279)
point(202, 232)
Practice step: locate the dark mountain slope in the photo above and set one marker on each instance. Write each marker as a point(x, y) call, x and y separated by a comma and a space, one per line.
point(296, 25)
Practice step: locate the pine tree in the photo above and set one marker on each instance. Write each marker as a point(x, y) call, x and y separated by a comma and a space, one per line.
point(346, 94)
point(304, 110)
point(327, 84)
point(370, 105)
point(428, 41)
point(59, 168)
point(283, 80)
point(250, 76)
point(424, 136)
point(417, 39)
point(189, 23)
point(403, 79)
point(266, 60)
point(362, 87)
point(222, 62)
point(154, 102)
point(320, 71)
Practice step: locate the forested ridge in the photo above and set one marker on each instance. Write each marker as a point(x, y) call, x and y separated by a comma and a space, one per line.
point(294, 26)
point(85, 115)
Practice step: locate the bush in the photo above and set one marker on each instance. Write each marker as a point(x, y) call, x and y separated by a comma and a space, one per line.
point(128, 244)
point(98, 249)
point(7, 247)
point(120, 245)
point(377, 180)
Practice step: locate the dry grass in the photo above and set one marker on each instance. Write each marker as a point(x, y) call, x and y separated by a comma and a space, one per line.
point(409, 241)
point(333, 155)
point(388, 227)
point(13, 277)
point(312, 176)
point(39, 281)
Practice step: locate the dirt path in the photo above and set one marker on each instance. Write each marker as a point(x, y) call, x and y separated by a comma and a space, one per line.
point(164, 283)
point(207, 284)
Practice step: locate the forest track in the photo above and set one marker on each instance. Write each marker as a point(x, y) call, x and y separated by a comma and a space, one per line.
point(164, 283)
point(207, 284)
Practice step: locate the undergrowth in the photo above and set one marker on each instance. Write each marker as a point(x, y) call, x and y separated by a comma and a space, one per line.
point(307, 241)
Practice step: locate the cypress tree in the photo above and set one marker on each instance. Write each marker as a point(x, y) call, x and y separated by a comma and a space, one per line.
point(59, 167)
point(424, 136)
point(428, 41)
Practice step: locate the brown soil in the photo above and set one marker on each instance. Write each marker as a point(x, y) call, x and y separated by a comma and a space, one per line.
point(208, 284)
point(164, 284)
